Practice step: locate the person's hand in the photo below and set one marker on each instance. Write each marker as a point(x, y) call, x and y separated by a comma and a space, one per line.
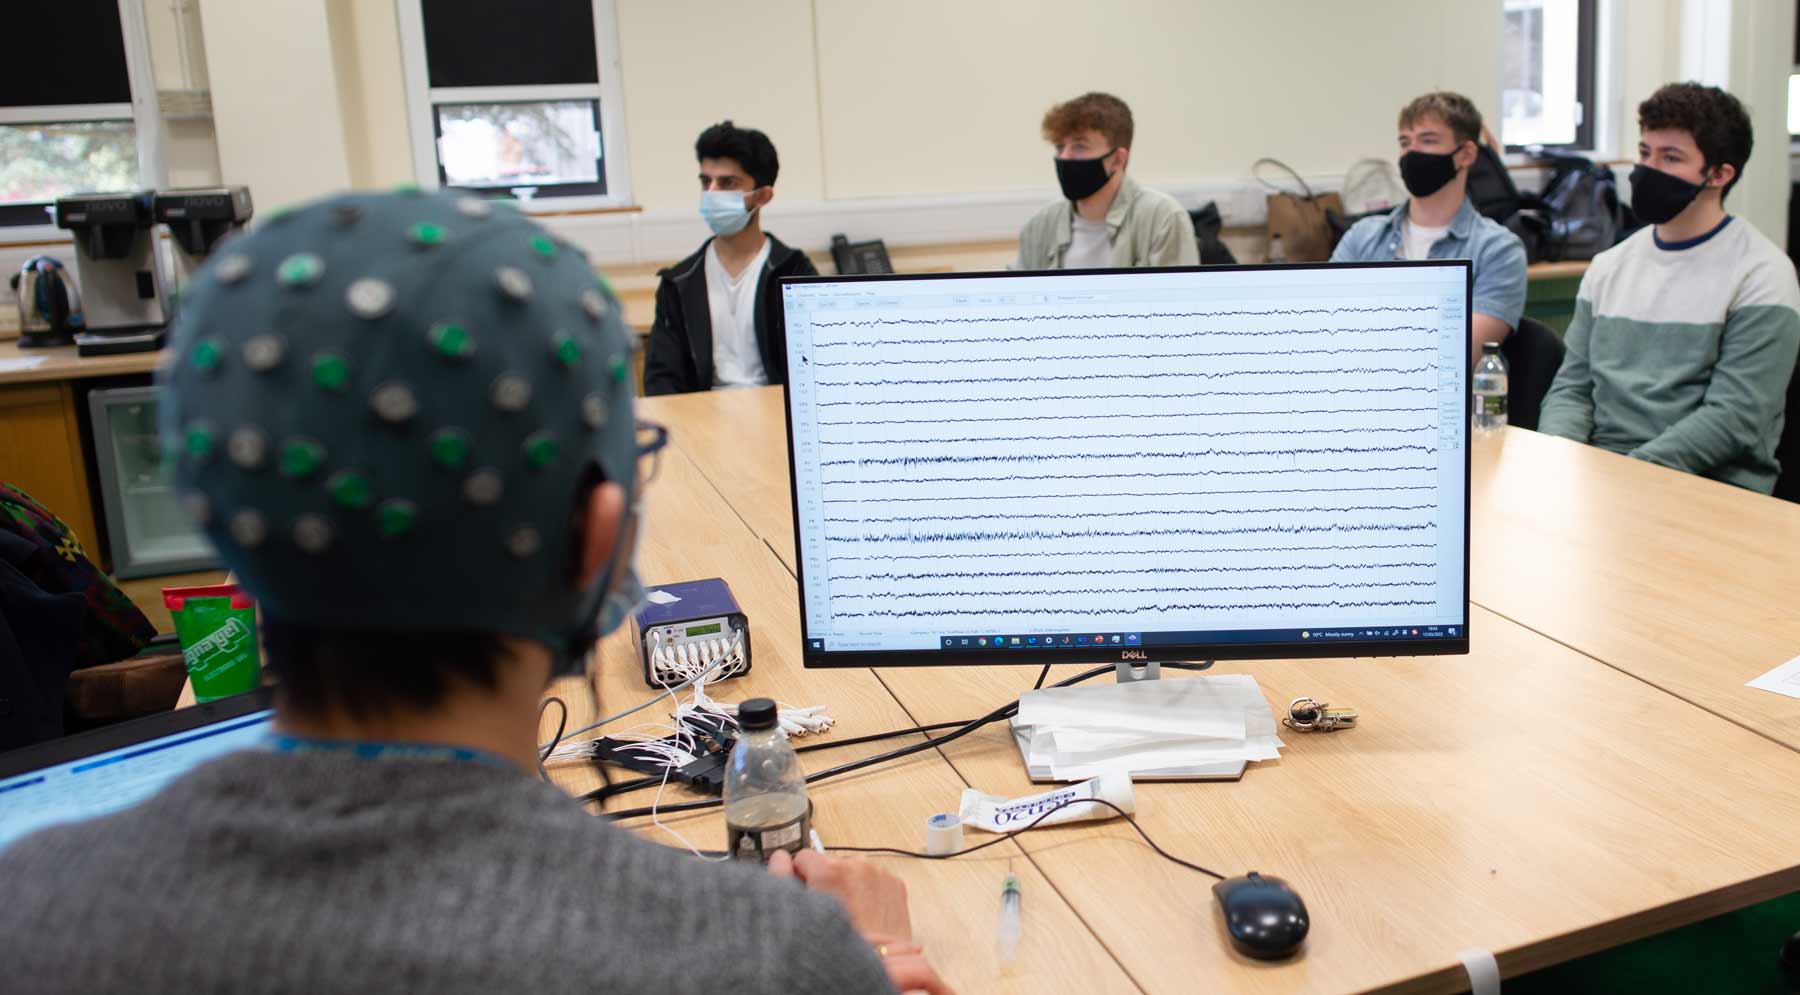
point(876, 903)
point(875, 899)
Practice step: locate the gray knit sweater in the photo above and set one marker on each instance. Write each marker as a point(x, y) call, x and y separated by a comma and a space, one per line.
point(324, 872)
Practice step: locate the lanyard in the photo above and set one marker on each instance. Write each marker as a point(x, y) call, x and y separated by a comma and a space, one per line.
point(364, 750)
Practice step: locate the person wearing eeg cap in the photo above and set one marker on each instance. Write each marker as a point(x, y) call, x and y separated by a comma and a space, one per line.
point(405, 421)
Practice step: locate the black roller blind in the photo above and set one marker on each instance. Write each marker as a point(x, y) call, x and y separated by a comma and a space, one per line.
point(517, 43)
point(64, 52)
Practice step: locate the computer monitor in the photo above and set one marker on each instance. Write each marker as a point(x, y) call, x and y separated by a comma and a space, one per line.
point(1226, 462)
point(100, 772)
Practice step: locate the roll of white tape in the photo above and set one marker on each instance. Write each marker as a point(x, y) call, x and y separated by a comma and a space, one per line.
point(943, 833)
point(1484, 971)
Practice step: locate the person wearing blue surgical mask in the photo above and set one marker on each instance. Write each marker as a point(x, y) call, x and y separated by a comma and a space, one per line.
point(715, 316)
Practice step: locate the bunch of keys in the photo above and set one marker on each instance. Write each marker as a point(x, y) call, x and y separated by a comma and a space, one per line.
point(1307, 715)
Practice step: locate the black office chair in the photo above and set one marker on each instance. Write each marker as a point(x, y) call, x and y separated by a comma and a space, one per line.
point(1787, 486)
point(1533, 355)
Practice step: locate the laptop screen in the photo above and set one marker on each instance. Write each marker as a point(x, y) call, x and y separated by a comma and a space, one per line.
point(100, 783)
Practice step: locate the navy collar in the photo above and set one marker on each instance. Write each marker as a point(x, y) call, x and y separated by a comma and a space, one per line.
point(1688, 243)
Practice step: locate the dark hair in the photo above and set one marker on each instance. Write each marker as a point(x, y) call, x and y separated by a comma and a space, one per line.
point(377, 671)
point(1457, 111)
point(1101, 112)
point(749, 148)
point(1716, 119)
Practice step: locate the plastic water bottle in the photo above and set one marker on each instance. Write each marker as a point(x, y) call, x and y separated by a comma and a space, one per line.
point(765, 790)
point(1277, 252)
point(1490, 390)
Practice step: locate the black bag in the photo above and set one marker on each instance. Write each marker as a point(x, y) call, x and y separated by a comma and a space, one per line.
point(1577, 216)
point(1491, 187)
point(1207, 224)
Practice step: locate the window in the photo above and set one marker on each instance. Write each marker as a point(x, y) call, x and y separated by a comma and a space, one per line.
point(69, 125)
point(1794, 85)
point(523, 105)
point(1547, 74)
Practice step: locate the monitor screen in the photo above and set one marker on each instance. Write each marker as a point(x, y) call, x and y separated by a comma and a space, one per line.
point(102, 783)
point(1224, 462)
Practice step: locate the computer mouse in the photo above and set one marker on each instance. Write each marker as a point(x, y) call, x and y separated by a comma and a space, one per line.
point(1266, 918)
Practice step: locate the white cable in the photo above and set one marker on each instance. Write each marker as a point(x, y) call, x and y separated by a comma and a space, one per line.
point(666, 692)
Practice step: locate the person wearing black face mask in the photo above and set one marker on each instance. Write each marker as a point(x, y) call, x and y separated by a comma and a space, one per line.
point(1104, 219)
point(1685, 334)
point(1438, 136)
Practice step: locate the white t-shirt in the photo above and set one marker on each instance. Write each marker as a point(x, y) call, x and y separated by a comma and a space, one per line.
point(1419, 239)
point(1091, 247)
point(732, 303)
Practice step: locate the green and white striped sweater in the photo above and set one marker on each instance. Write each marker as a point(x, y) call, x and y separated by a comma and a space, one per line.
point(1680, 354)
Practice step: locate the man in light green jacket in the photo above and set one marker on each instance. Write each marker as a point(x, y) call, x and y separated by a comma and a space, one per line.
point(1105, 220)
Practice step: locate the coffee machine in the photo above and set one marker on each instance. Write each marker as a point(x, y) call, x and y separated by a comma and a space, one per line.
point(199, 218)
point(115, 266)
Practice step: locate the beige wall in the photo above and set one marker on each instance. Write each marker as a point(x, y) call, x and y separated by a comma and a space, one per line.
point(365, 45)
point(178, 61)
point(666, 47)
point(948, 98)
point(1762, 54)
point(942, 97)
point(275, 98)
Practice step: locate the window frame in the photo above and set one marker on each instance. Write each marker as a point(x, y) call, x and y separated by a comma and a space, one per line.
point(142, 111)
point(422, 100)
point(1587, 88)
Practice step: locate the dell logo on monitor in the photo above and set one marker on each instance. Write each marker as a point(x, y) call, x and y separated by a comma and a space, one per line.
point(1132, 655)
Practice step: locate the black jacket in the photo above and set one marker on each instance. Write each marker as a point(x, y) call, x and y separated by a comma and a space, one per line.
point(679, 356)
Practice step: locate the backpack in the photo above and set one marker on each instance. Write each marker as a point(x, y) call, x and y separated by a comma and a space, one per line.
point(1491, 187)
point(1577, 216)
point(1207, 223)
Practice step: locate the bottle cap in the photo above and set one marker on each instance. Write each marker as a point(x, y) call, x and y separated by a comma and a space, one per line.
point(1490, 347)
point(757, 713)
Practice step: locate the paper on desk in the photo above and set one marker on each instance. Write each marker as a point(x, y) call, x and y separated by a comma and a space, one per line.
point(1784, 679)
point(21, 363)
point(1212, 706)
point(1154, 727)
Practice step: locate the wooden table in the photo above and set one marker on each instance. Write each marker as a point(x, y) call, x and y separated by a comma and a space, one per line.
point(694, 534)
point(1689, 584)
point(1524, 799)
point(61, 363)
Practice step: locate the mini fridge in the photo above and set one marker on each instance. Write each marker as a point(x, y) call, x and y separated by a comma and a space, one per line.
point(148, 533)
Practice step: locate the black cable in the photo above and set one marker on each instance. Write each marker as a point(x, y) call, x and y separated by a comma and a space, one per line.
point(1166, 855)
point(562, 722)
point(1041, 675)
point(877, 737)
point(612, 790)
point(929, 742)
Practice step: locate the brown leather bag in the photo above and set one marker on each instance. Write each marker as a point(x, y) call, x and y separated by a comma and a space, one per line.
point(1299, 218)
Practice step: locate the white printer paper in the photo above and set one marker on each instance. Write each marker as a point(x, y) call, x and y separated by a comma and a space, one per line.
point(1784, 679)
point(1165, 728)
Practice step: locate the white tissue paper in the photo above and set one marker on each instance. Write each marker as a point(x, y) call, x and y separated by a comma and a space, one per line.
point(1175, 727)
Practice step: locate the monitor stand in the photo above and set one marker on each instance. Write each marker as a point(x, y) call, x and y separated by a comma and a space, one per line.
point(1133, 673)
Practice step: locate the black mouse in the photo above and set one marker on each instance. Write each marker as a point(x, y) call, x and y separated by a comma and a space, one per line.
point(1266, 919)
